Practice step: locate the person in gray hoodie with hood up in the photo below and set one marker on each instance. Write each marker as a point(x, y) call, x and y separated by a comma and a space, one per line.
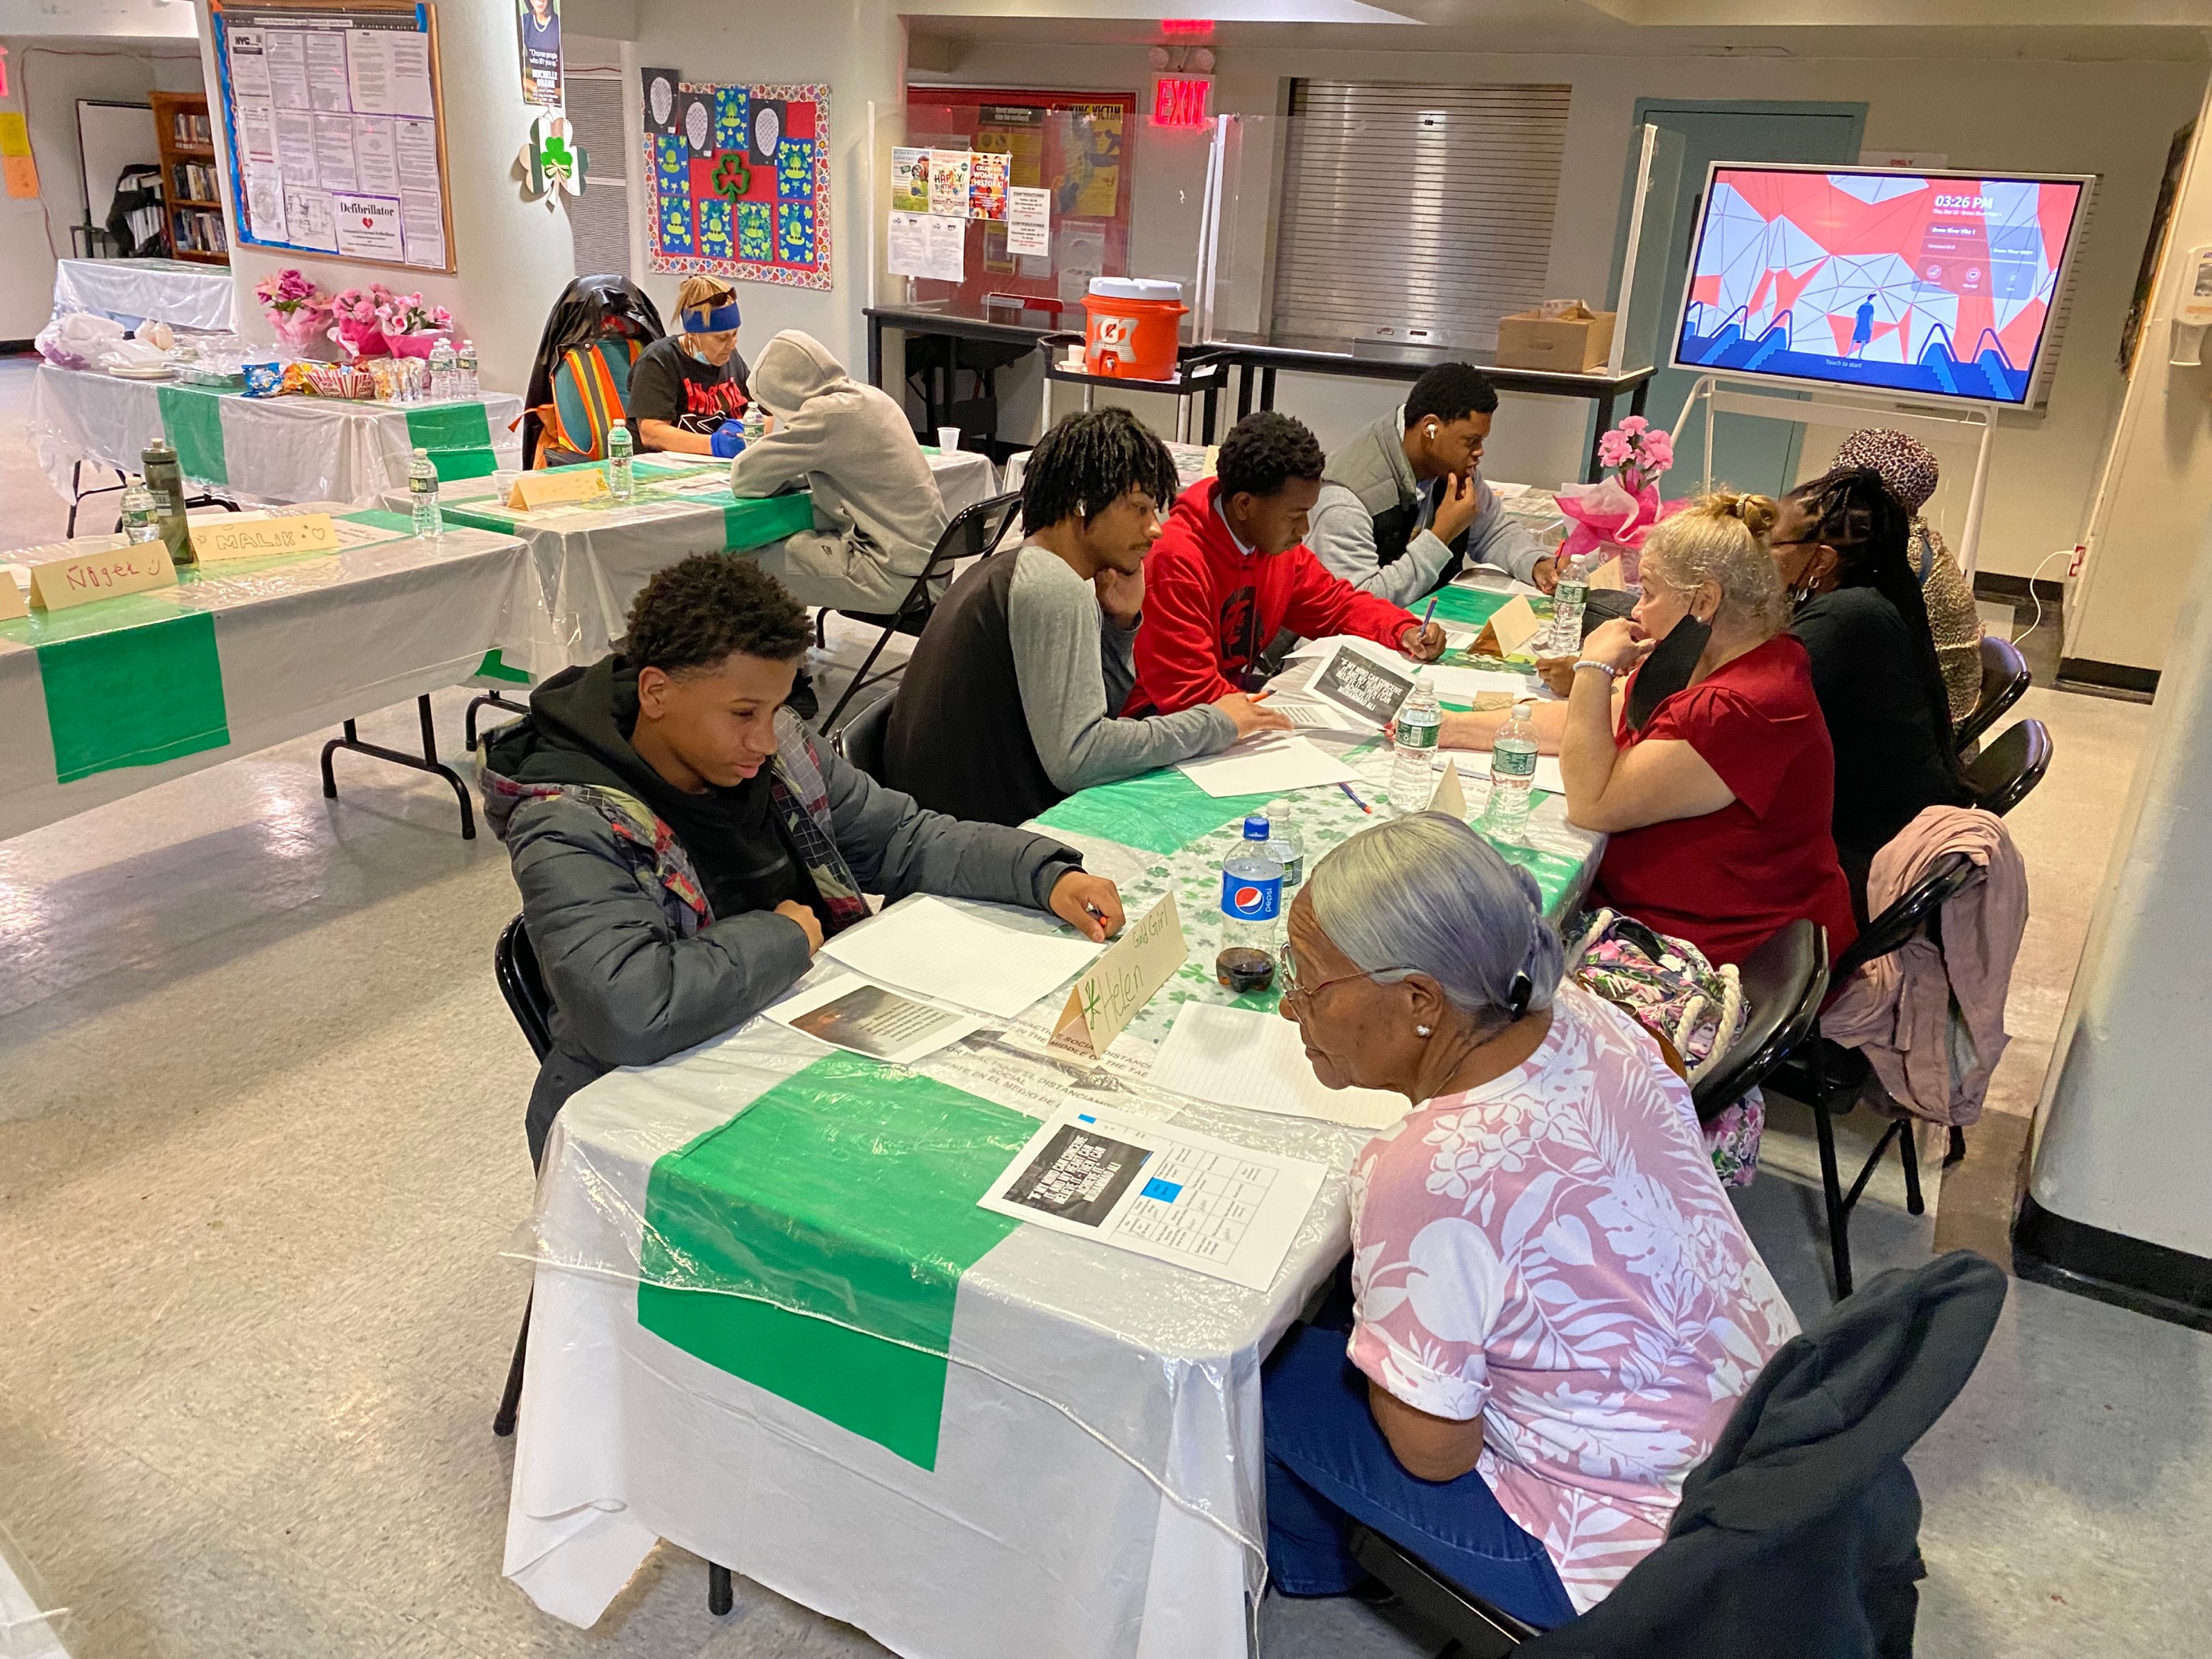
point(684, 847)
point(877, 514)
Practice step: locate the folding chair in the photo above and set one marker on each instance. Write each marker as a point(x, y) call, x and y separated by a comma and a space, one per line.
point(860, 740)
point(2005, 774)
point(2004, 682)
point(1783, 982)
point(974, 531)
point(514, 965)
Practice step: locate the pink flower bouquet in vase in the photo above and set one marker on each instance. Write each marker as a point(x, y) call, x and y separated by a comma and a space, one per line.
point(355, 325)
point(1612, 516)
point(298, 310)
point(411, 328)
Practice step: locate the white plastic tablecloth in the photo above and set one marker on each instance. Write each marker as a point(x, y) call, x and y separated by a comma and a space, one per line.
point(1097, 1492)
point(591, 562)
point(303, 644)
point(279, 451)
point(132, 291)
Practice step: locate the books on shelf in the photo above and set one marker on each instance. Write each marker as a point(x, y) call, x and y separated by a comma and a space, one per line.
point(194, 181)
point(190, 127)
point(197, 230)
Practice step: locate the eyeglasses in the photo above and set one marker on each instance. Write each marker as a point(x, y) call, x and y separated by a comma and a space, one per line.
point(1295, 987)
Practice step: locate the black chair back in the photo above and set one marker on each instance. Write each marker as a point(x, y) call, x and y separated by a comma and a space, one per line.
point(1784, 980)
point(2004, 681)
point(973, 531)
point(514, 965)
point(2004, 775)
point(860, 739)
point(1920, 904)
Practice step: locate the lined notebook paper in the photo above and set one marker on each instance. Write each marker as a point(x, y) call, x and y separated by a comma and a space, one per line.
point(1235, 1057)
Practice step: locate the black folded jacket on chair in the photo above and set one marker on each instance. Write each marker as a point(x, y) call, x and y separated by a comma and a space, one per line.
point(1799, 1535)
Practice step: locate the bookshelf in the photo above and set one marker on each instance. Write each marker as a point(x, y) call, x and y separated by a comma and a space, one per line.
point(192, 194)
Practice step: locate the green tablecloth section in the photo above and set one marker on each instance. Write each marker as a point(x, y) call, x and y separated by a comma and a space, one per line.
point(1468, 606)
point(458, 437)
point(814, 1245)
point(747, 521)
point(191, 420)
point(133, 696)
point(132, 681)
point(1161, 812)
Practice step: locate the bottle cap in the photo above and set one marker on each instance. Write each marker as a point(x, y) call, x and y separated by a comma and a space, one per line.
point(421, 454)
point(1256, 827)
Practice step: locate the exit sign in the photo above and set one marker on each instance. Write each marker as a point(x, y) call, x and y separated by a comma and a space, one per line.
point(1182, 100)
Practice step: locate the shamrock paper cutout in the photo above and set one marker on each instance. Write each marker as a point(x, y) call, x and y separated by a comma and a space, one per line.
point(733, 178)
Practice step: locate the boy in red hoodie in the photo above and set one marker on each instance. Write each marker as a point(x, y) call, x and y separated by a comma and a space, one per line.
point(1231, 570)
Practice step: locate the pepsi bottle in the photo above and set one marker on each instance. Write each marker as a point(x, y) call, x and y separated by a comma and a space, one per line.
point(1251, 912)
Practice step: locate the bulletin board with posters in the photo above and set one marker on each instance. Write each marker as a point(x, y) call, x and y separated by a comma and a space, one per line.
point(334, 118)
point(1072, 144)
point(740, 180)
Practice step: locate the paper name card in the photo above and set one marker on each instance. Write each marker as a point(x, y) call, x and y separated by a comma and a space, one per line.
point(1515, 624)
point(1607, 577)
point(60, 583)
point(11, 597)
point(1450, 797)
point(1121, 981)
point(535, 490)
point(264, 538)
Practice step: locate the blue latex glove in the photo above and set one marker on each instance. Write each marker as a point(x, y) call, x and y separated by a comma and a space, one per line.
point(728, 439)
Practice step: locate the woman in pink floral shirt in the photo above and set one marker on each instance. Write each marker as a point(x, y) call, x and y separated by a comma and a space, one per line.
point(1554, 1308)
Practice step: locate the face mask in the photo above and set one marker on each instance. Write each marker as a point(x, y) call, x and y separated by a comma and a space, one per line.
point(1668, 669)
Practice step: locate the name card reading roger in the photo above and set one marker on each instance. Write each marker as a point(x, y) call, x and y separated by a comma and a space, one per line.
point(1121, 981)
point(263, 538)
point(534, 490)
point(58, 584)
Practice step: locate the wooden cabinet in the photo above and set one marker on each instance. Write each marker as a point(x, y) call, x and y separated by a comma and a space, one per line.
point(189, 183)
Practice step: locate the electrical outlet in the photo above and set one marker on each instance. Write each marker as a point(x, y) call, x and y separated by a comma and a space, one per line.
point(2074, 565)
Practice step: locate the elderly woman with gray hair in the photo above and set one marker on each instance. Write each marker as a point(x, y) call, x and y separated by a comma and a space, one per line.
point(1552, 1306)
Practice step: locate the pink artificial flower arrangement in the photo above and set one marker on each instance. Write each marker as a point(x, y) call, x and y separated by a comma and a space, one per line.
point(405, 314)
point(378, 322)
point(287, 292)
point(1613, 514)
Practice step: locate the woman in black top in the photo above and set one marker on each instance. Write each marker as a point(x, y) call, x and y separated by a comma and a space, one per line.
point(1841, 546)
point(683, 388)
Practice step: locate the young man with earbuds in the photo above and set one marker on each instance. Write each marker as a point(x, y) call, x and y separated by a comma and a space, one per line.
point(1401, 507)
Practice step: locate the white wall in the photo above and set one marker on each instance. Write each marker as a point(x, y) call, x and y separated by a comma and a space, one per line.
point(513, 255)
point(46, 77)
point(2143, 533)
point(857, 47)
point(2110, 118)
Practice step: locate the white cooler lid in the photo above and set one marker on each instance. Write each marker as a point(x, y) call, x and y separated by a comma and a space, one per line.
point(1136, 288)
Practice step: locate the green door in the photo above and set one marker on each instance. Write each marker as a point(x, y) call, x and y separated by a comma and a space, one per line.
point(1748, 454)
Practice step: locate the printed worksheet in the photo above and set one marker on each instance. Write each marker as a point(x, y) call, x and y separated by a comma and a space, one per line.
point(1153, 1190)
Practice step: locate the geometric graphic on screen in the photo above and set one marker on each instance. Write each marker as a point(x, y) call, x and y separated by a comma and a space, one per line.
point(1932, 285)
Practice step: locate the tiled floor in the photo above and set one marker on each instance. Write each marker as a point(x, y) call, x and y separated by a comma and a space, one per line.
point(260, 1150)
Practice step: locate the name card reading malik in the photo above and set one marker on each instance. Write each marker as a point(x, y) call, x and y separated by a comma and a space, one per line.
point(1151, 1189)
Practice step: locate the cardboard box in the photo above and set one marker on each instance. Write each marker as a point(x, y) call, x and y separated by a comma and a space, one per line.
point(1565, 344)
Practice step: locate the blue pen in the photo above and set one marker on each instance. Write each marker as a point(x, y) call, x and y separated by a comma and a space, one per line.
point(1355, 799)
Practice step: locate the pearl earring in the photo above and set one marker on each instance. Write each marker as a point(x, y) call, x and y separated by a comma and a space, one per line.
point(1420, 1030)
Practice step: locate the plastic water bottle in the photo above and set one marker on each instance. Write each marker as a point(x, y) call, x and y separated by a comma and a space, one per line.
point(1286, 845)
point(464, 365)
point(1414, 734)
point(1251, 912)
point(442, 372)
point(141, 516)
point(1568, 599)
point(1512, 775)
point(622, 479)
point(756, 424)
point(422, 494)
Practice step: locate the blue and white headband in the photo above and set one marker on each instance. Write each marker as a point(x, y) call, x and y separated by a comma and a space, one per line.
point(721, 320)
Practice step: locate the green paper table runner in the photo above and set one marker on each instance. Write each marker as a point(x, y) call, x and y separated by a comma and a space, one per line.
point(133, 696)
point(1161, 812)
point(814, 1245)
point(191, 420)
point(458, 437)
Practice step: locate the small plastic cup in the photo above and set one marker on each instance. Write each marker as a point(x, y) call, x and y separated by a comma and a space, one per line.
point(948, 439)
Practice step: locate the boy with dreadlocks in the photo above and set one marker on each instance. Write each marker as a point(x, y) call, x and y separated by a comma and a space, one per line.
point(1006, 705)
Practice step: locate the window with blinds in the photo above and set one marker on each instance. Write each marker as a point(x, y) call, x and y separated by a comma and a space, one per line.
point(1415, 206)
point(598, 220)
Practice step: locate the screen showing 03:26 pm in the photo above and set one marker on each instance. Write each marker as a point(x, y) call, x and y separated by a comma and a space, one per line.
point(1937, 285)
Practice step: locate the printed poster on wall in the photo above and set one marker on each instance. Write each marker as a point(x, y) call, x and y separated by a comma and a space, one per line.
point(986, 185)
point(332, 125)
point(910, 180)
point(741, 189)
point(540, 24)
